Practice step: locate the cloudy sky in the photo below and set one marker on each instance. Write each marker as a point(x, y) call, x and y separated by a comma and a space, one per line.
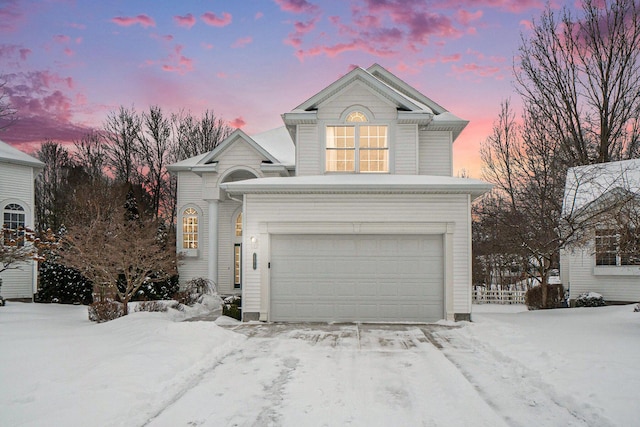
point(67, 64)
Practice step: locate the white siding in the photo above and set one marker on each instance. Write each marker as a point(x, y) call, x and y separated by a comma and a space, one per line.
point(357, 94)
point(405, 150)
point(190, 193)
point(435, 153)
point(580, 278)
point(239, 155)
point(309, 151)
point(391, 209)
point(17, 186)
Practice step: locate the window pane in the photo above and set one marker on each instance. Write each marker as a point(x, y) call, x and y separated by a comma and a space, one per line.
point(237, 265)
point(190, 229)
point(239, 225)
point(356, 116)
point(606, 247)
point(372, 161)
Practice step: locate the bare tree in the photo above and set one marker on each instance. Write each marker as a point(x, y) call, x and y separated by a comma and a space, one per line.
point(115, 250)
point(122, 134)
point(155, 150)
point(582, 76)
point(7, 113)
point(91, 153)
point(51, 185)
point(196, 136)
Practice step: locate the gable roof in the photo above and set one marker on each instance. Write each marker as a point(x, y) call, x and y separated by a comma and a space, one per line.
point(592, 183)
point(9, 154)
point(402, 101)
point(274, 145)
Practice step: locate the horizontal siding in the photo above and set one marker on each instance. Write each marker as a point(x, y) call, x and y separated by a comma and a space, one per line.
point(405, 150)
point(364, 208)
point(18, 283)
point(309, 151)
point(240, 154)
point(17, 185)
point(580, 278)
point(190, 193)
point(226, 240)
point(357, 94)
point(435, 153)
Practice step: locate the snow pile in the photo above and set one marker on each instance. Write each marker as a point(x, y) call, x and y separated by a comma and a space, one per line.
point(58, 368)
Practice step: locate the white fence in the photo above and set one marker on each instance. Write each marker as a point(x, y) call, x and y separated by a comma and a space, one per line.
point(494, 296)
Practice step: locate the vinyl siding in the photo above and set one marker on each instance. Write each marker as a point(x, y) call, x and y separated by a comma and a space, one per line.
point(580, 263)
point(17, 186)
point(190, 193)
point(391, 209)
point(357, 94)
point(404, 150)
point(309, 151)
point(435, 153)
point(239, 155)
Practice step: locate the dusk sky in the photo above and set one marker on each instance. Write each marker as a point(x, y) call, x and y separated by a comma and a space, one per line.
point(67, 64)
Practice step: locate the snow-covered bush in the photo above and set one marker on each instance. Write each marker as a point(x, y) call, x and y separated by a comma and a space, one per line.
point(533, 298)
point(193, 291)
point(61, 284)
point(105, 311)
point(590, 299)
point(151, 306)
point(163, 290)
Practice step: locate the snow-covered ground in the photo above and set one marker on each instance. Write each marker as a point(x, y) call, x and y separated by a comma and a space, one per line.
point(509, 367)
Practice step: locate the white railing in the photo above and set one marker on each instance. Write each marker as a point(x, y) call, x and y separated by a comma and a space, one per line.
point(494, 296)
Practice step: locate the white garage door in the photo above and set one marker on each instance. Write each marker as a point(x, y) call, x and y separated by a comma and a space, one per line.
point(357, 278)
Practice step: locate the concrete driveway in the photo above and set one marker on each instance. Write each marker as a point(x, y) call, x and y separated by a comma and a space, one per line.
point(331, 375)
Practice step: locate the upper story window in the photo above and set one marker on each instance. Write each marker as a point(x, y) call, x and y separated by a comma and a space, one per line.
point(13, 221)
point(190, 229)
point(357, 147)
point(618, 246)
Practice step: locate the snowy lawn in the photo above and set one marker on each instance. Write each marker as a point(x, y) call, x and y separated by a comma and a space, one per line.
point(509, 367)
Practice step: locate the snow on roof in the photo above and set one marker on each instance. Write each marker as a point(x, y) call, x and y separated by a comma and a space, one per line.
point(279, 144)
point(191, 161)
point(360, 183)
point(586, 184)
point(10, 154)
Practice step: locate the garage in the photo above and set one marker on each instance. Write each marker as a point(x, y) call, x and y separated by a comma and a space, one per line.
point(347, 278)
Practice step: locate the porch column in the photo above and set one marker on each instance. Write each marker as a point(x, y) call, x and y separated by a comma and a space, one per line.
point(213, 242)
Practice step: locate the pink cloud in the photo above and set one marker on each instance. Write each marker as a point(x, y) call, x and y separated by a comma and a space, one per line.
point(297, 6)
point(207, 46)
point(126, 21)
point(237, 123)
point(480, 70)
point(222, 75)
point(451, 58)
point(211, 18)
point(527, 24)
point(241, 42)
point(186, 21)
point(177, 62)
point(78, 26)
point(465, 17)
point(68, 51)
point(258, 15)
point(24, 53)
point(11, 15)
point(60, 38)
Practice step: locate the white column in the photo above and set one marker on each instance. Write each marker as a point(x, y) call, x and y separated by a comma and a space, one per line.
point(213, 242)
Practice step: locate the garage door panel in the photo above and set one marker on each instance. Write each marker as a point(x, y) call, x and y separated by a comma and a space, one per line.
point(356, 278)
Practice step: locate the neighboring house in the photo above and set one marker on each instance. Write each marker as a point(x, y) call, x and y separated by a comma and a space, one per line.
point(349, 212)
point(603, 199)
point(17, 174)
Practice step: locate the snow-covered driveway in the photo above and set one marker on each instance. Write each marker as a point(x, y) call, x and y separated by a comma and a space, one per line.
point(334, 375)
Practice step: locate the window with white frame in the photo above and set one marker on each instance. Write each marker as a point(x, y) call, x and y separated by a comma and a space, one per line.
point(190, 229)
point(357, 147)
point(13, 222)
point(618, 246)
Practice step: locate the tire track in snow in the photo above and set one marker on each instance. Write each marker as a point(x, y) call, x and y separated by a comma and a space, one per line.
point(515, 391)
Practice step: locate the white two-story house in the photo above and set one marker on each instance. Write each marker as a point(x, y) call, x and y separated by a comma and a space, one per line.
point(348, 212)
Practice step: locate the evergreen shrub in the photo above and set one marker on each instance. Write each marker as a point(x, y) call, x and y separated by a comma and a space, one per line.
point(590, 299)
point(555, 297)
point(232, 307)
point(61, 284)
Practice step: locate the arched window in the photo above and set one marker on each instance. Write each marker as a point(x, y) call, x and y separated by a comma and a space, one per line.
point(190, 229)
point(13, 221)
point(357, 147)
